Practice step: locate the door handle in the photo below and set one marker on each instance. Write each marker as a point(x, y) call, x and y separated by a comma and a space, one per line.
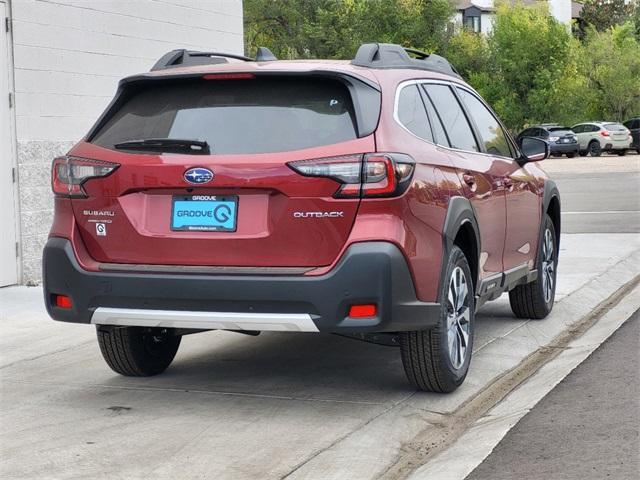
point(469, 179)
point(507, 182)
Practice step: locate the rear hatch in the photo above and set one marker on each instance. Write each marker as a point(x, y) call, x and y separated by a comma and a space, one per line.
point(618, 133)
point(562, 135)
point(240, 204)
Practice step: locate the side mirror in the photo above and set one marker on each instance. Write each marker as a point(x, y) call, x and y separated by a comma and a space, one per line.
point(533, 149)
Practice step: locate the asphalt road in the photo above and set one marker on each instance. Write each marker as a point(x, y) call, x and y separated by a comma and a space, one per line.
point(595, 200)
point(586, 428)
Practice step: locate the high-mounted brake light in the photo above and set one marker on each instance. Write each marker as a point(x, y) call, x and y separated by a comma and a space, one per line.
point(370, 175)
point(229, 76)
point(68, 174)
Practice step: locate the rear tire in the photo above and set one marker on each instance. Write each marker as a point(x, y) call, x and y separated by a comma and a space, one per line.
point(137, 351)
point(535, 299)
point(621, 153)
point(437, 360)
point(595, 150)
point(571, 154)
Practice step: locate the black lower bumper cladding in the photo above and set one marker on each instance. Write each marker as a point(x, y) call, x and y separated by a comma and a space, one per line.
point(369, 272)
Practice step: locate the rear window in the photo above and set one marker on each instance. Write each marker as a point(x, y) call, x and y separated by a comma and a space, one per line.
point(236, 116)
point(558, 129)
point(615, 127)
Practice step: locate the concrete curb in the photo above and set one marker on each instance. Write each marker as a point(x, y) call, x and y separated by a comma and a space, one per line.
point(459, 460)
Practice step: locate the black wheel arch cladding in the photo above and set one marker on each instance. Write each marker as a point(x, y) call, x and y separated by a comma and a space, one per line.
point(460, 215)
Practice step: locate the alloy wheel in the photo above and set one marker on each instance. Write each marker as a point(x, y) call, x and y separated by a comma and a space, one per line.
point(548, 265)
point(458, 318)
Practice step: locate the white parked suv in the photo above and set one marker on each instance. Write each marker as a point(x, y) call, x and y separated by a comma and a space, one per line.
point(597, 137)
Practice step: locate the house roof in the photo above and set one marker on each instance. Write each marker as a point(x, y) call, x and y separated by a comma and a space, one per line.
point(465, 4)
point(576, 10)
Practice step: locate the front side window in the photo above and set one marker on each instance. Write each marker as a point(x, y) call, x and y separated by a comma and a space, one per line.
point(453, 118)
point(412, 114)
point(492, 136)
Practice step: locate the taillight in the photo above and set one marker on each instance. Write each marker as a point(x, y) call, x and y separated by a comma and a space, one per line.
point(604, 133)
point(369, 175)
point(69, 173)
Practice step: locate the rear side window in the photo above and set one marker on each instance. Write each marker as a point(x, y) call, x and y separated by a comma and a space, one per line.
point(491, 134)
point(440, 136)
point(412, 114)
point(453, 118)
point(236, 116)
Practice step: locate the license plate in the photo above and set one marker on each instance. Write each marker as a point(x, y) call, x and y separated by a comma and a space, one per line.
point(204, 213)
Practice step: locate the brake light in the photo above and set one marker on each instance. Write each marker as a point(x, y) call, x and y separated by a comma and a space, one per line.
point(604, 133)
point(68, 174)
point(229, 76)
point(369, 175)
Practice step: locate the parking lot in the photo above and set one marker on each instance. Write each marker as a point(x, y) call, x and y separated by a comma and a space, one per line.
point(287, 405)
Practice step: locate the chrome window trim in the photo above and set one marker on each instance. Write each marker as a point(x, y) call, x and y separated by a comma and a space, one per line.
point(453, 84)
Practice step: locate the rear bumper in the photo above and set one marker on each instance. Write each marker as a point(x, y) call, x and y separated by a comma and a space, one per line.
point(369, 272)
point(564, 147)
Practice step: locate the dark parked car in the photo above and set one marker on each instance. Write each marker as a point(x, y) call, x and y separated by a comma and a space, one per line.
point(379, 198)
point(634, 127)
point(561, 140)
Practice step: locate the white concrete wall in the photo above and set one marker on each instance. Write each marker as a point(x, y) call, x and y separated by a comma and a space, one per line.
point(486, 22)
point(68, 58)
point(561, 9)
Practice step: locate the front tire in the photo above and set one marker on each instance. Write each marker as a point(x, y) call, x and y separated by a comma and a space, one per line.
point(571, 154)
point(621, 153)
point(437, 360)
point(535, 299)
point(595, 150)
point(137, 351)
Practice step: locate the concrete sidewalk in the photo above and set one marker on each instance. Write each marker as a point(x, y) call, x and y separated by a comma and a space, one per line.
point(273, 406)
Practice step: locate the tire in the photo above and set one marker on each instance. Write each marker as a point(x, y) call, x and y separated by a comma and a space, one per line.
point(583, 153)
point(571, 154)
point(621, 153)
point(137, 351)
point(431, 361)
point(595, 150)
point(535, 299)
point(638, 151)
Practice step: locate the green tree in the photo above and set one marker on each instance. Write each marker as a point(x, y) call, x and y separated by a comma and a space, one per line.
point(335, 28)
point(528, 54)
point(611, 65)
point(604, 14)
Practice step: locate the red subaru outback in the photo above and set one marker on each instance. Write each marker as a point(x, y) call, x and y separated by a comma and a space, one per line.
point(378, 198)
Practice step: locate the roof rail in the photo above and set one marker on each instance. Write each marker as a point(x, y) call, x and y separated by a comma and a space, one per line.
point(389, 55)
point(188, 58)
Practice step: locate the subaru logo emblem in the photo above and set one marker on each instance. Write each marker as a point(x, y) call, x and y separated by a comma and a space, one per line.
point(198, 175)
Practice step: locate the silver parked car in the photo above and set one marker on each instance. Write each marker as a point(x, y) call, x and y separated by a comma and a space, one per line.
point(597, 137)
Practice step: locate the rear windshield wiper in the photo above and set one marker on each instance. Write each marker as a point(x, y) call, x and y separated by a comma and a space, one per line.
point(170, 145)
